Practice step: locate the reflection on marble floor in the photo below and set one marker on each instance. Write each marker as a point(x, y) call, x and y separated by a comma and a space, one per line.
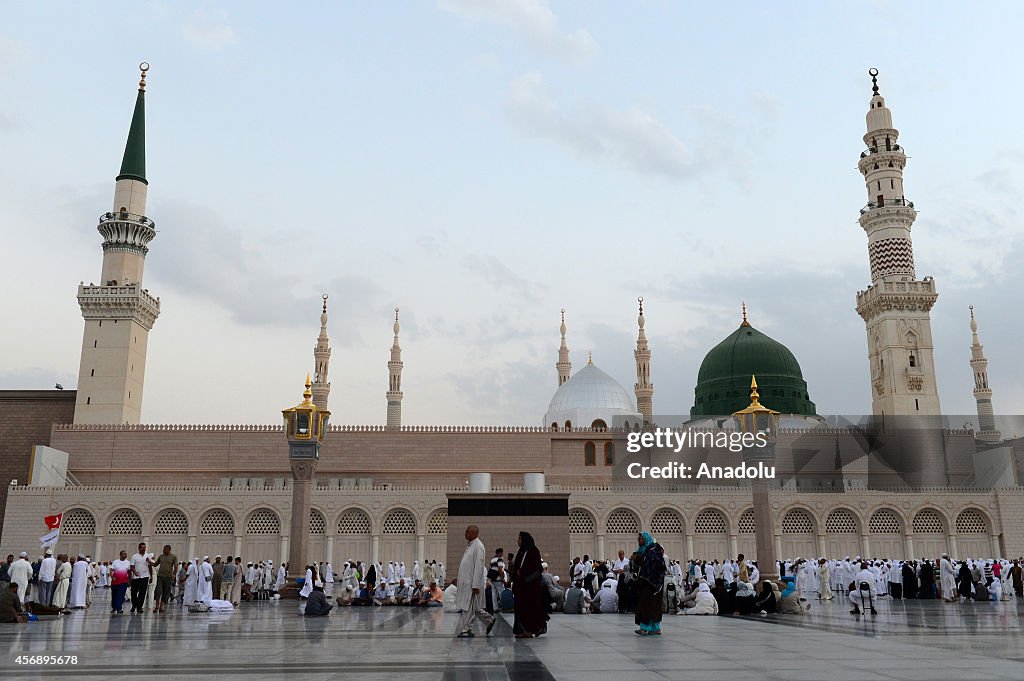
point(270, 640)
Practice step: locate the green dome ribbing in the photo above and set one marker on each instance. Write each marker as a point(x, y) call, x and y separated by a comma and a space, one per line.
point(133, 166)
point(723, 382)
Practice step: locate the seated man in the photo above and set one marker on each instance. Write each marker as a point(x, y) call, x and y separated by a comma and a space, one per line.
point(858, 592)
point(704, 603)
point(576, 599)
point(767, 601)
point(688, 600)
point(434, 597)
point(417, 593)
point(743, 599)
point(403, 594)
point(450, 595)
point(347, 596)
point(606, 600)
point(10, 605)
point(316, 604)
point(383, 595)
point(363, 597)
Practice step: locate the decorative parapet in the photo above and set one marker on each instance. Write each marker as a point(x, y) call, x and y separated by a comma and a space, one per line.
point(127, 301)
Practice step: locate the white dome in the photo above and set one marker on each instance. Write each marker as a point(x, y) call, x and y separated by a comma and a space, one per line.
point(588, 395)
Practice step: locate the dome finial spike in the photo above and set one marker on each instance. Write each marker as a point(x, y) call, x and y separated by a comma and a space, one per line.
point(640, 299)
point(143, 67)
point(744, 322)
point(324, 296)
point(873, 72)
point(754, 397)
point(590, 357)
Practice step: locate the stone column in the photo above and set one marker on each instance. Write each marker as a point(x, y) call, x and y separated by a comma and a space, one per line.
point(238, 545)
point(865, 547)
point(821, 545)
point(764, 530)
point(778, 549)
point(908, 543)
point(374, 548)
point(688, 542)
point(954, 550)
point(302, 497)
point(421, 548)
point(600, 547)
point(190, 552)
point(98, 548)
point(734, 547)
point(284, 547)
point(997, 549)
point(330, 549)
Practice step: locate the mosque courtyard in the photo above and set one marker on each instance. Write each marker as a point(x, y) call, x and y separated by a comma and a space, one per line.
point(906, 640)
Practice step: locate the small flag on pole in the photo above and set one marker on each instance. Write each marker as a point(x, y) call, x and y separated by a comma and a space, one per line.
point(53, 521)
point(53, 524)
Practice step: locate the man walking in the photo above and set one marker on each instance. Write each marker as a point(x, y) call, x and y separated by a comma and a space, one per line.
point(140, 579)
point(236, 588)
point(47, 573)
point(165, 565)
point(227, 580)
point(218, 576)
point(470, 583)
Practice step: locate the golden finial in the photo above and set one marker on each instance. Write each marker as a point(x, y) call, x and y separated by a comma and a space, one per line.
point(640, 299)
point(744, 322)
point(754, 397)
point(325, 302)
point(590, 357)
point(396, 314)
point(143, 67)
point(972, 311)
point(873, 72)
point(306, 394)
point(563, 315)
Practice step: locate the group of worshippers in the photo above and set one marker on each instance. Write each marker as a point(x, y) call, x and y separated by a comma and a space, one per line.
point(52, 585)
point(228, 582)
point(376, 584)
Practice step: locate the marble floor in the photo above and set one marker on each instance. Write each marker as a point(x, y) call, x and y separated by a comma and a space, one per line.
point(906, 640)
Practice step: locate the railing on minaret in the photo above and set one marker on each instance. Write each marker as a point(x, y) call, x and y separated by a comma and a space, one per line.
point(896, 306)
point(394, 393)
point(119, 313)
point(322, 359)
point(644, 388)
point(563, 365)
point(982, 391)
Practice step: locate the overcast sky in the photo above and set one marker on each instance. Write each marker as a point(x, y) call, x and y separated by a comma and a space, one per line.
point(482, 165)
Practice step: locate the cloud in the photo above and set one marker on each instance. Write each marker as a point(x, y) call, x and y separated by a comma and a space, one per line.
point(215, 262)
point(496, 273)
point(632, 138)
point(209, 30)
point(533, 19)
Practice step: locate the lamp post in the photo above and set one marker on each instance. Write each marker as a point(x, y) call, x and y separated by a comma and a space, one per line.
point(305, 426)
point(754, 419)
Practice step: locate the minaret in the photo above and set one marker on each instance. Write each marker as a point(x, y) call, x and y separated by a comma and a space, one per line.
point(644, 388)
point(394, 393)
point(119, 313)
point(982, 392)
point(322, 358)
point(563, 365)
point(896, 306)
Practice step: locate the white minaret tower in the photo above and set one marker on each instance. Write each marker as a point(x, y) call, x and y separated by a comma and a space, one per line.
point(394, 393)
point(119, 313)
point(321, 387)
point(982, 392)
point(896, 305)
point(644, 388)
point(563, 365)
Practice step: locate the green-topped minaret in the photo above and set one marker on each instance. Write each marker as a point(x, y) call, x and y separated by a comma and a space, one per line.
point(119, 313)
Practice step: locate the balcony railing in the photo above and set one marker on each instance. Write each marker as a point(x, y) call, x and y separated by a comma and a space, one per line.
point(870, 151)
point(125, 216)
point(887, 203)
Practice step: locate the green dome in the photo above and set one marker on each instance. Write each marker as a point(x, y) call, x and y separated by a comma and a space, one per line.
point(723, 382)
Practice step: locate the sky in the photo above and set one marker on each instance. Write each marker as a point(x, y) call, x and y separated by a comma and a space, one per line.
point(482, 165)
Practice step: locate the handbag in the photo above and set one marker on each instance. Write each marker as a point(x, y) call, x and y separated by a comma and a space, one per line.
point(198, 607)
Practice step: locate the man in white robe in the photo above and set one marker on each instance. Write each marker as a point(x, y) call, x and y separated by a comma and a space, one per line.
point(205, 593)
point(282, 578)
point(21, 573)
point(191, 582)
point(440, 573)
point(471, 580)
point(865, 598)
point(417, 573)
point(63, 579)
point(728, 572)
point(307, 584)
point(392, 574)
point(79, 583)
point(709, 573)
point(947, 577)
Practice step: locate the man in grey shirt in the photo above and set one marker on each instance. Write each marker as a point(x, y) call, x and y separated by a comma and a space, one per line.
point(227, 580)
point(576, 599)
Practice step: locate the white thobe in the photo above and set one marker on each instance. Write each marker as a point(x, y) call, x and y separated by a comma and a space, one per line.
point(391, 574)
point(79, 584)
point(472, 573)
point(60, 593)
point(728, 573)
point(307, 585)
point(205, 591)
point(948, 579)
point(282, 578)
point(328, 574)
point(21, 572)
point(348, 578)
point(709, 574)
point(416, 573)
point(191, 584)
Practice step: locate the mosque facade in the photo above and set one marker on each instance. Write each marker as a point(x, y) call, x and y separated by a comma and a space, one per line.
point(381, 491)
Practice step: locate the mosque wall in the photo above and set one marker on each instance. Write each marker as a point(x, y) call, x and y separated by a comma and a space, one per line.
point(411, 523)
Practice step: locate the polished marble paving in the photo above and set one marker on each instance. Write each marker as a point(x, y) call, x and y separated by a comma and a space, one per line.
point(906, 640)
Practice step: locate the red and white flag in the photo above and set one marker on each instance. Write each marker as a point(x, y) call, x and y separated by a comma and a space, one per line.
point(53, 521)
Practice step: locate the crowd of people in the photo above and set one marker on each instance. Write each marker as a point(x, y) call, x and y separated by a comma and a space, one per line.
point(645, 584)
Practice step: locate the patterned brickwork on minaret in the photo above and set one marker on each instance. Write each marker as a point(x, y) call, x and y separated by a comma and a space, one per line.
point(563, 365)
point(896, 306)
point(321, 387)
point(119, 313)
point(982, 392)
point(644, 388)
point(394, 393)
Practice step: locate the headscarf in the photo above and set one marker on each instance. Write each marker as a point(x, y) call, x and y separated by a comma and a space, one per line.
point(652, 565)
point(703, 587)
point(743, 589)
point(648, 542)
point(526, 542)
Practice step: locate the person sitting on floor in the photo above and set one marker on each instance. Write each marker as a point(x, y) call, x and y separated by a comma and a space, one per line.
point(607, 598)
point(576, 599)
point(743, 600)
point(317, 604)
point(383, 595)
point(768, 600)
point(10, 606)
point(704, 603)
point(363, 597)
point(403, 593)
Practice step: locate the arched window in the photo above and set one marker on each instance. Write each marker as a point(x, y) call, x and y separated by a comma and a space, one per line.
point(797, 521)
point(78, 522)
point(709, 521)
point(399, 521)
point(589, 454)
point(125, 522)
point(217, 521)
point(554, 425)
point(599, 424)
point(171, 521)
point(971, 522)
point(317, 523)
point(264, 521)
point(840, 521)
point(568, 424)
point(928, 521)
point(609, 454)
point(580, 522)
point(885, 521)
point(622, 521)
point(354, 521)
point(438, 522)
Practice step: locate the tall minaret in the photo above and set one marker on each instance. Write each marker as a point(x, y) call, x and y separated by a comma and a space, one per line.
point(322, 359)
point(119, 313)
point(644, 388)
point(563, 365)
point(394, 393)
point(982, 392)
point(896, 305)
